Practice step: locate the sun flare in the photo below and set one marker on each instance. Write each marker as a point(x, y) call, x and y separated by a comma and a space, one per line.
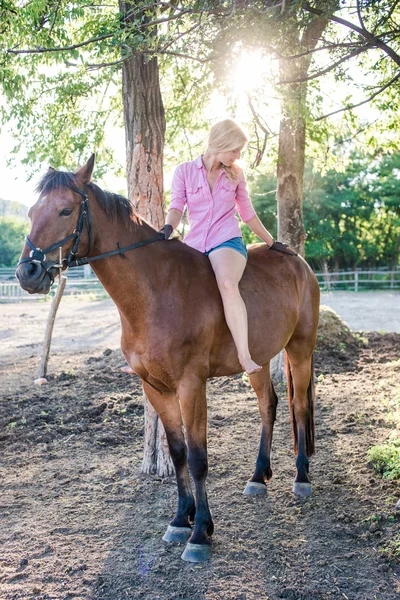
point(252, 69)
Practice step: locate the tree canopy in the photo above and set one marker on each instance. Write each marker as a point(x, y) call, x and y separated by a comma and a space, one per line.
point(60, 75)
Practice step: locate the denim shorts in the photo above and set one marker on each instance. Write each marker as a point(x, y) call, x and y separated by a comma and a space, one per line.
point(235, 243)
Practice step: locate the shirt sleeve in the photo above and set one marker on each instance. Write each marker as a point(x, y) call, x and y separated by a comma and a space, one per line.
point(243, 202)
point(178, 190)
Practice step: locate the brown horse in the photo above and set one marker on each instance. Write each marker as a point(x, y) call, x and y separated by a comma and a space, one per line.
point(174, 334)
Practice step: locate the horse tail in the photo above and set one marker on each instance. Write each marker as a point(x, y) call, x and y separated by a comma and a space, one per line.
point(310, 426)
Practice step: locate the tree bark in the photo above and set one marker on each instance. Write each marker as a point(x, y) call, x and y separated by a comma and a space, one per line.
point(144, 120)
point(292, 136)
point(144, 135)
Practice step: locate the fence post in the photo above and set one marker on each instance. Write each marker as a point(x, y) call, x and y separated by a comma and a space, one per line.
point(356, 281)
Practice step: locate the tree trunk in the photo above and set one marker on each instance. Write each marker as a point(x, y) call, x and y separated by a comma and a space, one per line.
point(292, 136)
point(292, 146)
point(290, 170)
point(144, 135)
point(144, 120)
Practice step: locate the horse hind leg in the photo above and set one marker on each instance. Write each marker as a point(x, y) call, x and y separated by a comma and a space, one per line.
point(267, 403)
point(300, 376)
point(167, 406)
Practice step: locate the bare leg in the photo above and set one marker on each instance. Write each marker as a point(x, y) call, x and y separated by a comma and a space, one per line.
point(228, 266)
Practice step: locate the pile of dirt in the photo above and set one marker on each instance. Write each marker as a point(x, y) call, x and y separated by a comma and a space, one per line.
point(332, 328)
point(337, 346)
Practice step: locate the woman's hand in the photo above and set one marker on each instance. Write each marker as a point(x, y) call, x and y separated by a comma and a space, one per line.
point(281, 247)
point(166, 231)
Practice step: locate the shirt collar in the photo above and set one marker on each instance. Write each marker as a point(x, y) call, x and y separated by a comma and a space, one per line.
point(199, 162)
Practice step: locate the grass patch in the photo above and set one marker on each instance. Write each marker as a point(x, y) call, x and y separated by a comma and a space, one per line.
point(392, 549)
point(385, 459)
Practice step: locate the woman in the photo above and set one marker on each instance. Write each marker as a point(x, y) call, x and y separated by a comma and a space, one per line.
point(213, 187)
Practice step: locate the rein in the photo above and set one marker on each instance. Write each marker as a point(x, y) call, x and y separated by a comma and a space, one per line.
point(72, 260)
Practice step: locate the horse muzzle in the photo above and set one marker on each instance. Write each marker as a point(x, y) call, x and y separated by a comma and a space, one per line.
point(35, 277)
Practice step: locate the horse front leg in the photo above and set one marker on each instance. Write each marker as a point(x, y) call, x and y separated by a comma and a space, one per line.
point(267, 403)
point(168, 408)
point(192, 396)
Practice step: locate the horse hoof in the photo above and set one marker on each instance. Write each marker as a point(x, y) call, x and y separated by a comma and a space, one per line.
point(177, 535)
point(254, 488)
point(302, 489)
point(196, 553)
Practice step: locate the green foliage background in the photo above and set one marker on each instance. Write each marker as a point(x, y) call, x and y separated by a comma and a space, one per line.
point(12, 234)
point(352, 218)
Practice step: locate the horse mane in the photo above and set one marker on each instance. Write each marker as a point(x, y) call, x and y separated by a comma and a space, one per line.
point(114, 205)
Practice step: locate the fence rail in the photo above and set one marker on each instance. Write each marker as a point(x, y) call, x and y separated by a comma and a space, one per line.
point(92, 288)
point(10, 291)
point(359, 280)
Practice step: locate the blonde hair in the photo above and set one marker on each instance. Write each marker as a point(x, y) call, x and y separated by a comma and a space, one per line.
point(224, 137)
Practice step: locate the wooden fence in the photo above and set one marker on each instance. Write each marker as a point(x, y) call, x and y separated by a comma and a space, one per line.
point(359, 280)
point(80, 285)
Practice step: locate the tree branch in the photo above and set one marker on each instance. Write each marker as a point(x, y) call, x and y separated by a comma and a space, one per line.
point(359, 14)
point(327, 69)
point(61, 48)
point(264, 128)
point(372, 39)
point(151, 53)
point(266, 131)
point(330, 46)
point(351, 106)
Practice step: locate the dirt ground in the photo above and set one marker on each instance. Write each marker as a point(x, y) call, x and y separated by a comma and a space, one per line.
point(79, 521)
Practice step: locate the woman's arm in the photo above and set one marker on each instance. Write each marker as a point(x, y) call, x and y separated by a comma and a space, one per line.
point(173, 217)
point(258, 228)
point(171, 222)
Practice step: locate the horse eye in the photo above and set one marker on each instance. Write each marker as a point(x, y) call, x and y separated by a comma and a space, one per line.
point(65, 212)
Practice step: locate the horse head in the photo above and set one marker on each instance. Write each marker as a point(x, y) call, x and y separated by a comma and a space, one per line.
point(60, 219)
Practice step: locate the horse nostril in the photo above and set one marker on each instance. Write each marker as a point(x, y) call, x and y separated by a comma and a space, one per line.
point(29, 271)
point(32, 269)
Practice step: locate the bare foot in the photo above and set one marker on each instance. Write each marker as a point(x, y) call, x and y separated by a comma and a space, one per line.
point(251, 367)
point(128, 369)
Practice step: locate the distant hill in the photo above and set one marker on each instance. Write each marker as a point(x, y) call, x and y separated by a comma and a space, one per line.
point(11, 208)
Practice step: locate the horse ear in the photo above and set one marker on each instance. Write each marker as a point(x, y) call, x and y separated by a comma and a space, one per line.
point(51, 169)
point(84, 174)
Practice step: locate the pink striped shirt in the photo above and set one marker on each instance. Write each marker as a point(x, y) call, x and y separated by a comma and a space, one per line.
point(212, 214)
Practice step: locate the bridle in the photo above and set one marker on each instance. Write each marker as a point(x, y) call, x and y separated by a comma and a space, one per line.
point(71, 260)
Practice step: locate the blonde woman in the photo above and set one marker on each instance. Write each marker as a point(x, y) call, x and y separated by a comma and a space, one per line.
point(213, 187)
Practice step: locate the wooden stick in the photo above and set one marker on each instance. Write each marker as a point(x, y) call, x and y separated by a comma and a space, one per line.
point(49, 330)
